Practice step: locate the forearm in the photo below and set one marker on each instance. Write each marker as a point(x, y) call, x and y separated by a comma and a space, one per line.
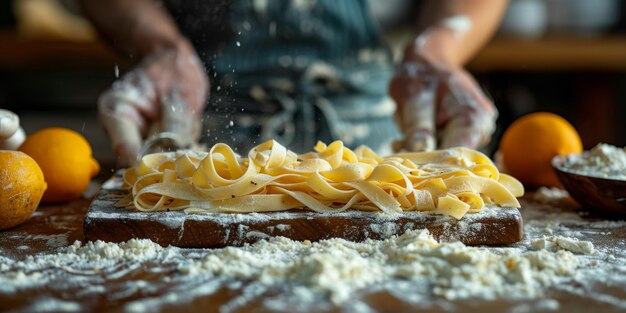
point(455, 44)
point(136, 27)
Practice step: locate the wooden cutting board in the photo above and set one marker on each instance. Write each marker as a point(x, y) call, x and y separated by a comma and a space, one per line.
point(493, 226)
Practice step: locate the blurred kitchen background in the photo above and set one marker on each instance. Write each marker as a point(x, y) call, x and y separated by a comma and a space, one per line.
point(561, 56)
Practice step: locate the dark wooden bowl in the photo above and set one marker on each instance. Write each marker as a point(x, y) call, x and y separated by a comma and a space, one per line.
point(607, 196)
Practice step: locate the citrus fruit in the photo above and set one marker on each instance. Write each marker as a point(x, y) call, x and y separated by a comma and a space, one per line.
point(21, 187)
point(65, 159)
point(531, 142)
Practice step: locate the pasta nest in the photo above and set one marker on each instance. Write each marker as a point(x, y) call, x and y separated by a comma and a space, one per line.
point(332, 178)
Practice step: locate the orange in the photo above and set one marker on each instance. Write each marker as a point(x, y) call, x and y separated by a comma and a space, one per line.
point(531, 142)
point(21, 187)
point(65, 159)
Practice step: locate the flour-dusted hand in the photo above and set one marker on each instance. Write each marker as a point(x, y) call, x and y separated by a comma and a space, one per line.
point(465, 115)
point(165, 92)
point(11, 134)
point(414, 88)
point(440, 107)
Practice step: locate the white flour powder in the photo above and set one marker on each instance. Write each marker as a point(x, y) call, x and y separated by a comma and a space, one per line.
point(307, 272)
point(603, 160)
point(339, 268)
point(298, 276)
point(550, 195)
point(132, 250)
point(555, 243)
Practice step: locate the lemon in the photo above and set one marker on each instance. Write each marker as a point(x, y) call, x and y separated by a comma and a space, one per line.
point(65, 159)
point(21, 187)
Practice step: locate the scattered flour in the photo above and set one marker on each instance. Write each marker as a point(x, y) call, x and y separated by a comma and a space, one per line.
point(293, 276)
point(550, 195)
point(603, 161)
point(283, 227)
point(53, 305)
point(257, 234)
point(386, 230)
point(55, 241)
point(555, 243)
point(339, 268)
point(333, 269)
point(132, 250)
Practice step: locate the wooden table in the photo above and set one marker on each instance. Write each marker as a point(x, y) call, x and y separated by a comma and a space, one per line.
point(56, 226)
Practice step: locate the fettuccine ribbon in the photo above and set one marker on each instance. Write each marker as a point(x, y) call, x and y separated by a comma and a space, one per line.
point(333, 178)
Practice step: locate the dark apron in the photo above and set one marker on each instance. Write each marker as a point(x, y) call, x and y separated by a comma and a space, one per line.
point(300, 71)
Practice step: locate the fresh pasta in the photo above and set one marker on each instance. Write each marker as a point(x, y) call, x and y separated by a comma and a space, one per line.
point(332, 178)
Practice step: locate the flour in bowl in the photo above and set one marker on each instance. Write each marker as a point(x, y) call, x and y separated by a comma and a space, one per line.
point(604, 161)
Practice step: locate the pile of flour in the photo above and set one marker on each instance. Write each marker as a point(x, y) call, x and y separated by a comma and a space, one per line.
point(603, 161)
point(331, 271)
point(90, 258)
point(556, 243)
point(297, 276)
point(338, 268)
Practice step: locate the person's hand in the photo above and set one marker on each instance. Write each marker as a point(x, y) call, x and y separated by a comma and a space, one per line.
point(165, 92)
point(440, 107)
point(11, 134)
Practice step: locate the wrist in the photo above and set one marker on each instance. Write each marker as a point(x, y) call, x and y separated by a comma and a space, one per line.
point(148, 40)
point(436, 45)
